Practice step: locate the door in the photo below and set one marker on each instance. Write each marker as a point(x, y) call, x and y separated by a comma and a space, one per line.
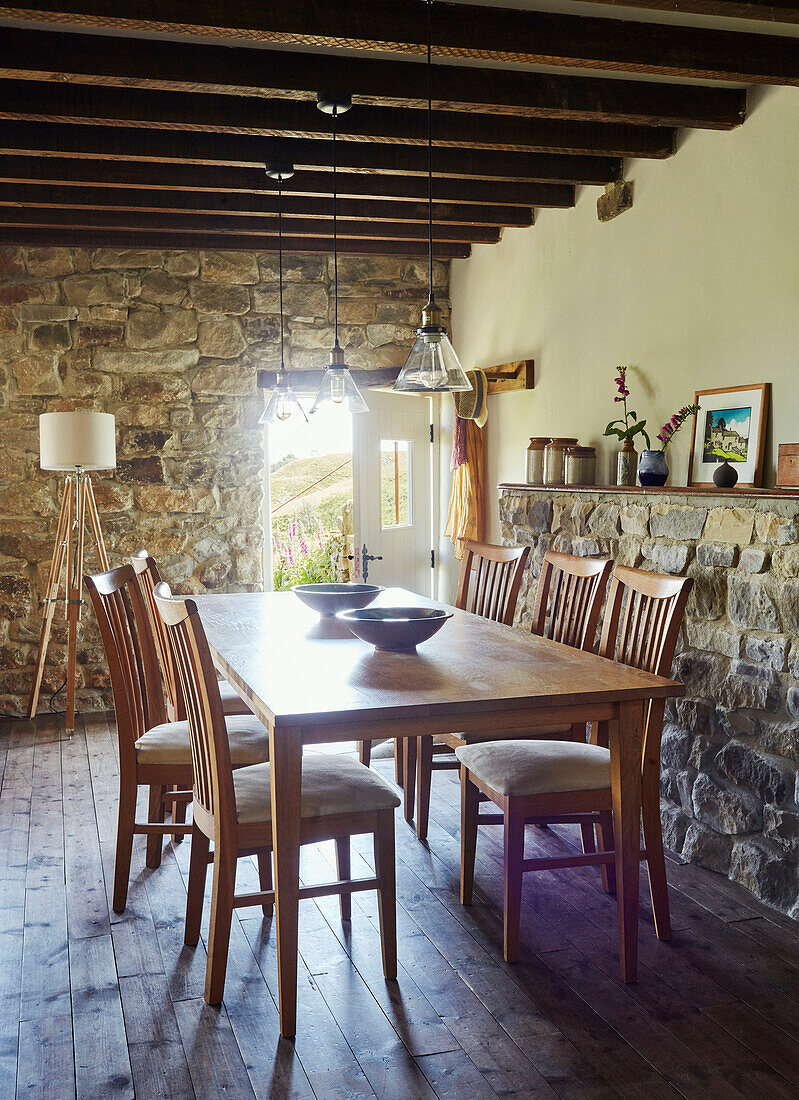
point(393, 491)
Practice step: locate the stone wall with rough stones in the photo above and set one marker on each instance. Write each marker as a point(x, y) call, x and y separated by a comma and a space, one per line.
point(170, 342)
point(730, 755)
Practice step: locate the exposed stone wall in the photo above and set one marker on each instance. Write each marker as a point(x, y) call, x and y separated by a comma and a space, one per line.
point(170, 342)
point(731, 747)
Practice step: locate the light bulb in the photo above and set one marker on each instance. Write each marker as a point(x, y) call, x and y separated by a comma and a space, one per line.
point(282, 402)
point(283, 410)
point(337, 386)
point(432, 372)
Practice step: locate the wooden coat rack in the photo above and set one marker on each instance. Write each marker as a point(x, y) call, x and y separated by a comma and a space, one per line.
point(510, 376)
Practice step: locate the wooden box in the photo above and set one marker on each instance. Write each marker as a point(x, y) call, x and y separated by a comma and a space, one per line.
point(788, 466)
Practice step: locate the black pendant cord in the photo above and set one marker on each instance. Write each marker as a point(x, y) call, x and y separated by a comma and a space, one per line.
point(280, 263)
point(430, 141)
point(335, 238)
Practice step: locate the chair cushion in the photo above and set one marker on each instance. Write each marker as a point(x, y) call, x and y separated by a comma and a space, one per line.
point(169, 743)
point(477, 737)
point(537, 767)
point(232, 702)
point(330, 785)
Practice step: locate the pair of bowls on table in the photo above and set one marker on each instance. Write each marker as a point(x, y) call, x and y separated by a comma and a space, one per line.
point(396, 629)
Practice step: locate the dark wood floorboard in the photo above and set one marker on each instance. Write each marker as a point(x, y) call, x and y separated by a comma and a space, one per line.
point(96, 1005)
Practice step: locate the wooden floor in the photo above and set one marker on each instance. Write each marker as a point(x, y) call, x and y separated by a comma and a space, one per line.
point(95, 1005)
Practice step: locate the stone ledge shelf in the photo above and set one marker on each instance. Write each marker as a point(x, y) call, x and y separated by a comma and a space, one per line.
point(730, 777)
point(664, 490)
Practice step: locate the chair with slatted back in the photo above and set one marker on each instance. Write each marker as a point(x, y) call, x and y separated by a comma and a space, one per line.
point(489, 580)
point(340, 798)
point(149, 576)
point(568, 601)
point(546, 780)
point(152, 751)
point(569, 598)
point(488, 585)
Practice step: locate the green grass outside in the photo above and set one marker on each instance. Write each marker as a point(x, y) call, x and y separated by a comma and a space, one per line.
point(731, 456)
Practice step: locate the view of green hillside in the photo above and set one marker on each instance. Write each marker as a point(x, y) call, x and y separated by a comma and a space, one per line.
point(323, 502)
point(308, 497)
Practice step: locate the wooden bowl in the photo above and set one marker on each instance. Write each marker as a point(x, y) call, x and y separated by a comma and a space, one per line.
point(328, 599)
point(395, 629)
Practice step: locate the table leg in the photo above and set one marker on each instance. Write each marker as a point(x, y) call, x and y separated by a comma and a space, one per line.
point(625, 766)
point(285, 756)
point(409, 777)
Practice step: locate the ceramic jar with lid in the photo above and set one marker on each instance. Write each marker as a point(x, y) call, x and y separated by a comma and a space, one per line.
point(535, 460)
point(580, 466)
point(554, 457)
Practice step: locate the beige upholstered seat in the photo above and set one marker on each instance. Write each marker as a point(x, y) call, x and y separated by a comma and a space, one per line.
point(232, 702)
point(537, 767)
point(169, 742)
point(330, 785)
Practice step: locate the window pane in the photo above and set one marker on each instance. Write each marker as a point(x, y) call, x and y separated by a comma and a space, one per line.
point(395, 497)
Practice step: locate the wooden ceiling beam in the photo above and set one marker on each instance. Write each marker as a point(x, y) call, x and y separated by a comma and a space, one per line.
point(459, 31)
point(51, 236)
point(293, 206)
point(170, 222)
point(234, 181)
point(185, 146)
point(779, 11)
point(176, 66)
point(32, 100)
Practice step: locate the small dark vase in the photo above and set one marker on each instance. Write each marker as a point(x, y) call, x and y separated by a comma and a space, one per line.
point(653, 470)
point(725, 476)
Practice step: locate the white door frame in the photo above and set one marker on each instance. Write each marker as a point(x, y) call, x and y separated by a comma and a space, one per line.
point(427, 467)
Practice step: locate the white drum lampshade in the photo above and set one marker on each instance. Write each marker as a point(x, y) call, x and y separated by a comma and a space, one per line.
point(82, 439)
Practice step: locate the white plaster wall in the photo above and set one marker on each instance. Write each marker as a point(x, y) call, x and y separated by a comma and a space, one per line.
point(697, 286)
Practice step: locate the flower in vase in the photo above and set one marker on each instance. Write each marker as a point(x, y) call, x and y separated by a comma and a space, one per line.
point(674, 423)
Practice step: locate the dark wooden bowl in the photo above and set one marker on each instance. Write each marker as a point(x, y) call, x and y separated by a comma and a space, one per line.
point(396, 629)
point(328, 599)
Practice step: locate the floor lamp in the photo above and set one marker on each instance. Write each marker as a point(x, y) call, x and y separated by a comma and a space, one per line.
point(76, 442)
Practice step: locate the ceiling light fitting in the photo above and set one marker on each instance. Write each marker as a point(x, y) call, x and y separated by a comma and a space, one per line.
point(432, 365)
point(283, 400)
point(338, 386)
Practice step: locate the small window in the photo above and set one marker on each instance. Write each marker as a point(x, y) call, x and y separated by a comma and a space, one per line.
point(395, 482)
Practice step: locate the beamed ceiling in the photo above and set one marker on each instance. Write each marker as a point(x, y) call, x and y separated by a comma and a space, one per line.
point(141, 122)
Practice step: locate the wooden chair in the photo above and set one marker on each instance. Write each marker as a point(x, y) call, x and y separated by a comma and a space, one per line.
point(489, 580)
point(569, 598)
point(567, 606)
point(547, 781)
point(488, 585)
point(152, 751)
point(340, 798)
point(149, 576)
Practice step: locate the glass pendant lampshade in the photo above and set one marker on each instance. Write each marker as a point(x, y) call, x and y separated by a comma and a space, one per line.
point(432, 365)
point(337, 388)
point(283, 400)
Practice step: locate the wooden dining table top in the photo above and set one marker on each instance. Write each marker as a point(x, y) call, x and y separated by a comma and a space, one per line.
point(300, 670)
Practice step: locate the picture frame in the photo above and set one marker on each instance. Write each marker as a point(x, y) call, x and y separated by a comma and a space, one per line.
point(731, 425)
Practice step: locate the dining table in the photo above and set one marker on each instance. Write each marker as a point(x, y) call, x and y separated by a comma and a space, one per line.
point(309, 680)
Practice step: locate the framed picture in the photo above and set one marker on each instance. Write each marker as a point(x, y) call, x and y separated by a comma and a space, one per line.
point(731, 425)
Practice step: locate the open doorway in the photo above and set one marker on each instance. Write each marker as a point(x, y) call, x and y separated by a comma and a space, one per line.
point(310, 499)
point(352, 498)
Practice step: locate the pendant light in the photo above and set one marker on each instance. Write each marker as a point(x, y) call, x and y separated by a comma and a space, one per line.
point(432, 365)
point(338, 386)
point(283, 400)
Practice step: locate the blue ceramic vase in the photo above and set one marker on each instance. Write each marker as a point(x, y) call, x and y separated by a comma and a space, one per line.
point(653, 468)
